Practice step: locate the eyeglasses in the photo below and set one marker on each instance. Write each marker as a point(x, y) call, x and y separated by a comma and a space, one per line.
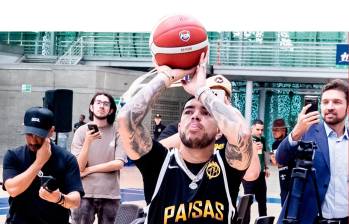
point(103, 103)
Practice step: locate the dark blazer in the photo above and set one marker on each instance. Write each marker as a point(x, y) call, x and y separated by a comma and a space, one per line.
point(285, 153)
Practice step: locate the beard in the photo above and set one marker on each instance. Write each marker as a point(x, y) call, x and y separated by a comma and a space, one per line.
point(335, 119)
point(196, 142)
point(34, 147)
point(100, 117)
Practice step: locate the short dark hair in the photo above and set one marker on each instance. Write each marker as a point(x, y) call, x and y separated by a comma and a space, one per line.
point(337, 84)
point(110, 117)
point(82, 115)
point(257, 121)
point(188, 99)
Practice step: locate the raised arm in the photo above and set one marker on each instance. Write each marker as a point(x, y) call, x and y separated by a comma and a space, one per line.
point(135, 138)
point(229, 119)
point(232, 124)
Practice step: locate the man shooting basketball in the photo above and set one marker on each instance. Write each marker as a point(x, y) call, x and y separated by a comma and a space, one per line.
point(192, 184)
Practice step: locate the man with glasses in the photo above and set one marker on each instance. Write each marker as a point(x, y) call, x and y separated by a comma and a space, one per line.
point(100, 161)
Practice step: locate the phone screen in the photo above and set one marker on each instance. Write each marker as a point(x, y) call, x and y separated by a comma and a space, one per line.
point(313, 100)
point(93, 127)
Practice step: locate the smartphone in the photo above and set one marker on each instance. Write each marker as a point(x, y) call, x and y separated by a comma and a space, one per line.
point(49, 183)
point(92, 127)
point(313, 100)
point(219, 93)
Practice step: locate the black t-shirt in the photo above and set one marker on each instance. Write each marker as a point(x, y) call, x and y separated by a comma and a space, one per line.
point(276, 144)
point(151, 163)
point(28, 207)
point(78, 124)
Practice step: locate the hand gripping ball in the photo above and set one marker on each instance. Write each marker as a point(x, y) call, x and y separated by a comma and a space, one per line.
point(178, 41)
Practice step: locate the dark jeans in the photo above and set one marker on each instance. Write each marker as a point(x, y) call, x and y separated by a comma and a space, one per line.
point(257, 187)
point(105, 209)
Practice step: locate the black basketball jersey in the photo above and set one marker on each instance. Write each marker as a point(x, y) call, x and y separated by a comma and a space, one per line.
point(181, 197)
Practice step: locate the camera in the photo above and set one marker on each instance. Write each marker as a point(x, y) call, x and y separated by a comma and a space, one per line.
point(49, 183)
point(305, 153)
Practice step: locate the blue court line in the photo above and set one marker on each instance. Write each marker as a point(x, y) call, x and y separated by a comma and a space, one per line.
point(127, 194)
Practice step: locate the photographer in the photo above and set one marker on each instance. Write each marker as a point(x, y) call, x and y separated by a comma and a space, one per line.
point(33, 200)
point(330, 159)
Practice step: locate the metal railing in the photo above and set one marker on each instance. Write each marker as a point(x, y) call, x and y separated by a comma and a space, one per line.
point(234, 53)
point(73, 55)
point(299, 54)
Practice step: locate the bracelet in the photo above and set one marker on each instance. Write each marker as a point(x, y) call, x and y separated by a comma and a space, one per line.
point(200, 91)
point(61, 200)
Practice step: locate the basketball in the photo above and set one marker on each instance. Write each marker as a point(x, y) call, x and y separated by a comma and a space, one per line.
point(178, 41)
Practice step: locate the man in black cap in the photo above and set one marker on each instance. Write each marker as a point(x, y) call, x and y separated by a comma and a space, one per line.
point(43, 179)
point(158, 127)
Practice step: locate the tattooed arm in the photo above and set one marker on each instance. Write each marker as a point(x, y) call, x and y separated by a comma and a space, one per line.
point(135, 138)
point(232, 124)
point(229, 119)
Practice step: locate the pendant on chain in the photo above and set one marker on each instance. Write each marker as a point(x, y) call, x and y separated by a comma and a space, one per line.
point(193, 185)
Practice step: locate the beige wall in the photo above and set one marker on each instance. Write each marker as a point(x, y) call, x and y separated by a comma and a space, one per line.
point(84, 80)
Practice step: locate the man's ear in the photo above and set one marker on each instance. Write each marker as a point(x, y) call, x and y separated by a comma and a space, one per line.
point(111, 111)
point(219, 134)
point(51, 131)
point(91, 108)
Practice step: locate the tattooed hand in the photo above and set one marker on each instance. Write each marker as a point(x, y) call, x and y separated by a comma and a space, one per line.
point(135, 138)
point(199, 78)
point(173, 74)
point(233, 125)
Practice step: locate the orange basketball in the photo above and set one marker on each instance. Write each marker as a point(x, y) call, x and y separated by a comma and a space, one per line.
point(178, 41)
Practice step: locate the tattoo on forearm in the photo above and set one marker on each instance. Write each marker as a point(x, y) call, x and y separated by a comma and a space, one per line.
point(237, 158)
point(139, 137)
point(232, 124)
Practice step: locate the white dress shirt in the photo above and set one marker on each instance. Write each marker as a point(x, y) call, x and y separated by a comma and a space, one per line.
point(335, 204)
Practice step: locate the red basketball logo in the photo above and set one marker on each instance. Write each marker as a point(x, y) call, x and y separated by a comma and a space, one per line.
point(184, 35)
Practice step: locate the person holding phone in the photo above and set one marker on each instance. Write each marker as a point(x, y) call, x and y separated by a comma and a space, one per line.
point(100, 160)
point(331, 155)
point(42, 179)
